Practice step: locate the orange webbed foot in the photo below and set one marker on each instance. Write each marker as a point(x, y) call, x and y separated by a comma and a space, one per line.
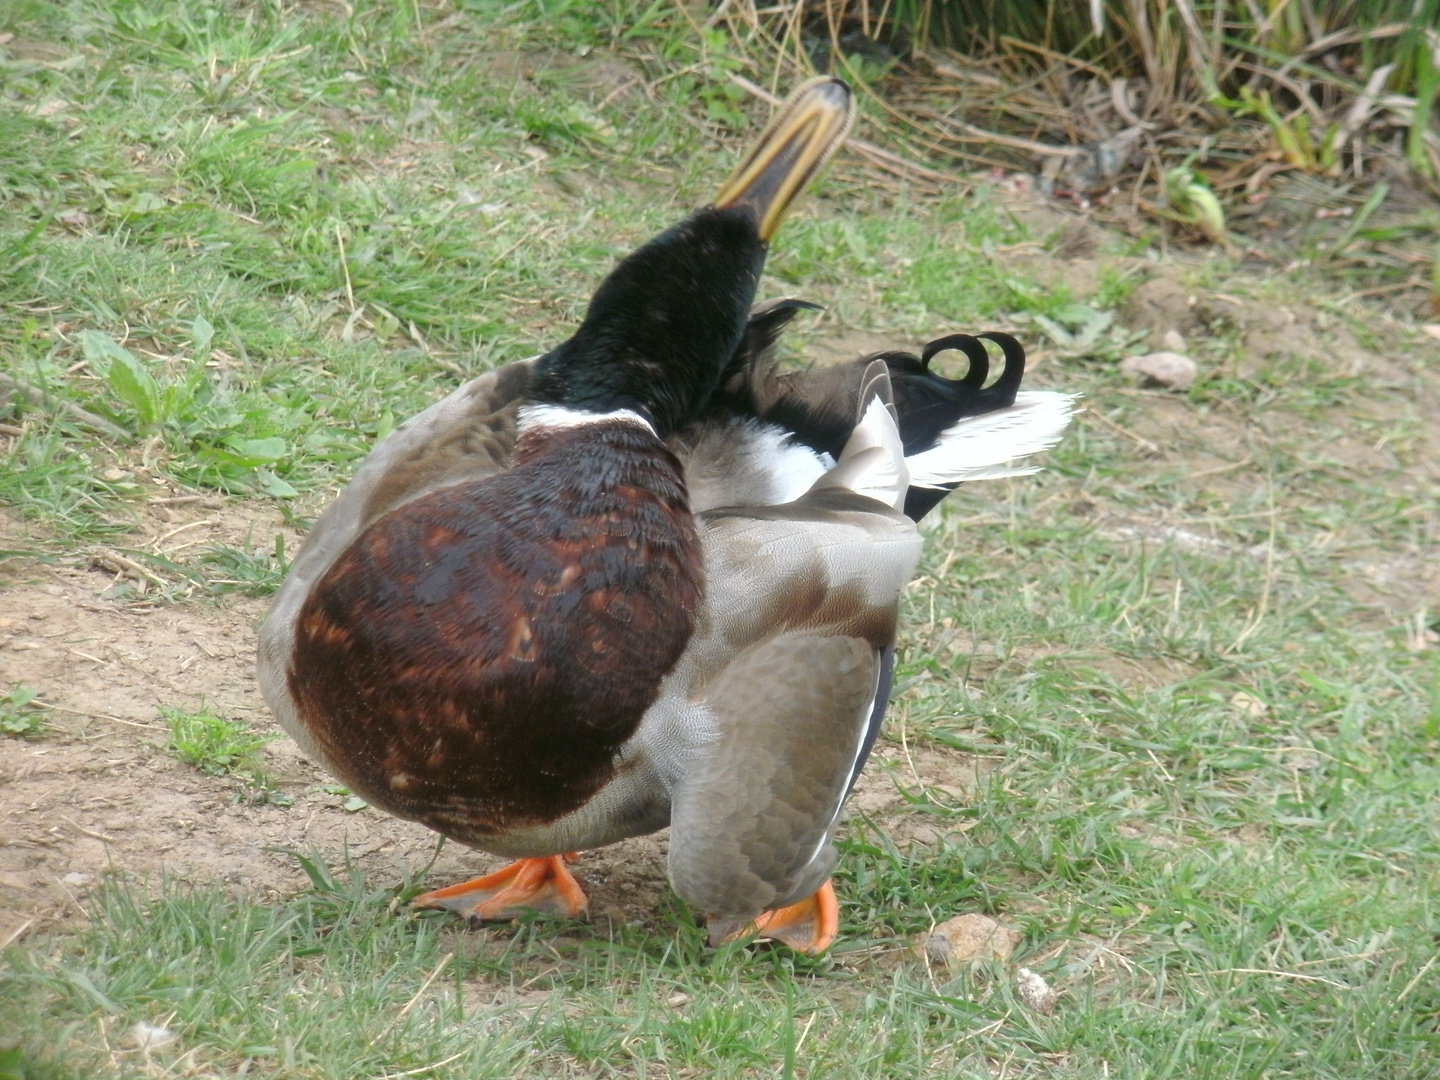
point(543, 885)
point(808, 927)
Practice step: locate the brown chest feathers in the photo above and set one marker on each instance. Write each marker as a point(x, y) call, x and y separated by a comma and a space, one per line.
point(476, 657)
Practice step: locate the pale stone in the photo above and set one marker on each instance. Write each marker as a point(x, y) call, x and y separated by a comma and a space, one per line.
point(1173, 340)
point(1035, 992)
point(968, 938)
point(1248, 704)
point(1172, 370)
point(148, 1037)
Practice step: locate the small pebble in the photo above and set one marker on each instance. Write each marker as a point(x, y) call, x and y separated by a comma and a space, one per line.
point(1248, 704)
point(77, 880)
point(148, 1037)
point(1035, 992)
point(968, 938)
point(1172, 370)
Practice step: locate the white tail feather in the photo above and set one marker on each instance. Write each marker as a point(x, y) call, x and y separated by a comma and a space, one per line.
point(983, 447)
point(873, 461)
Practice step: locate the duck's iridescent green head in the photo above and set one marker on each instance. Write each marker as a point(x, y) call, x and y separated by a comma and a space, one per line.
point(661, 327)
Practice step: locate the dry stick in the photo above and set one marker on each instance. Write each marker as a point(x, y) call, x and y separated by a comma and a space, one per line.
point(1278, 973)
point(411, 1003)
point(1258, 615)
point(9, 385)
point(1418, 976)
point(1343, 37)
point(426, 1068)
point(882, 158)
point(96, 715)
point(121, 564)
point(88, 832)
point(965, 132)
point(1139, 440)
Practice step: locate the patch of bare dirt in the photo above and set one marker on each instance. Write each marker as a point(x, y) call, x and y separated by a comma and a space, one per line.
point(1361, 405)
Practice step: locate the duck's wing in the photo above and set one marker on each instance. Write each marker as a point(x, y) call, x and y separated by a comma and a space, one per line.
point(465, 436)
point(779, 690)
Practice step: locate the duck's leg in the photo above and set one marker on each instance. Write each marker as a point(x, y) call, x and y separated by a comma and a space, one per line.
point(544, 885)
point(808, 927)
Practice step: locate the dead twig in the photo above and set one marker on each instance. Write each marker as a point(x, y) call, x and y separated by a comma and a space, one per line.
point(32, 395)
point(116, 563)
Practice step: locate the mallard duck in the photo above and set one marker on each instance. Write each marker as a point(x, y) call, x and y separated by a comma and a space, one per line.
point(642, 580)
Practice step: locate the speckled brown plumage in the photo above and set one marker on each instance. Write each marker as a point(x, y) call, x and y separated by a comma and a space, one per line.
point(474, 661)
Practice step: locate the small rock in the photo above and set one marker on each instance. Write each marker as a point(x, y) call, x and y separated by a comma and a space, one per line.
point(968, 938)
point(678, 998)
point(1172, 370)
point(1173, 340)
point(1035, 992)
point(1248, 704)
point(147, 1037)
point(77, 880)
point(1432, 329)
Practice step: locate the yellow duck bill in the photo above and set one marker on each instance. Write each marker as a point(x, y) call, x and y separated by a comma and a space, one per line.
point(803, 135)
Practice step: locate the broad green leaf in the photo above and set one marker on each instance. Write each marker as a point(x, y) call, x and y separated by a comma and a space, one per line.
point(255, 452)
point(130, 381)
point(136, 388)
point(275, 487)
point(201, 335)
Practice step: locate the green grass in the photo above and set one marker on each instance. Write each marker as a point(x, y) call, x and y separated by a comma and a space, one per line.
point(216, 745)
point(253, 238)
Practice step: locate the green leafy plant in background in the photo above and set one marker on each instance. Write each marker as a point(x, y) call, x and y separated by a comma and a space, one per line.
point(1296, 144)
point(255, 572)
point(1192, 202)
point(1082, 332)
point(215, 744)
point(18, 715)
point(214, 443)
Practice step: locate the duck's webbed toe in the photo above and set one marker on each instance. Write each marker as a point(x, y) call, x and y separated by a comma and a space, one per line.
point(526, 885)
point(809, 926)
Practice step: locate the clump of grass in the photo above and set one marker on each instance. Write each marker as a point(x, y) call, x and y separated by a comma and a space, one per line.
point(18, 715)
point(216, 745)
point(253, 573)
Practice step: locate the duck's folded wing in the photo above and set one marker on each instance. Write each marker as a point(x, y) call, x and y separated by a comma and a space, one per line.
point(801, 607)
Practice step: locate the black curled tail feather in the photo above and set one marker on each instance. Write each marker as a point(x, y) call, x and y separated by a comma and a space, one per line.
point(928, 403)
point(817, 405)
